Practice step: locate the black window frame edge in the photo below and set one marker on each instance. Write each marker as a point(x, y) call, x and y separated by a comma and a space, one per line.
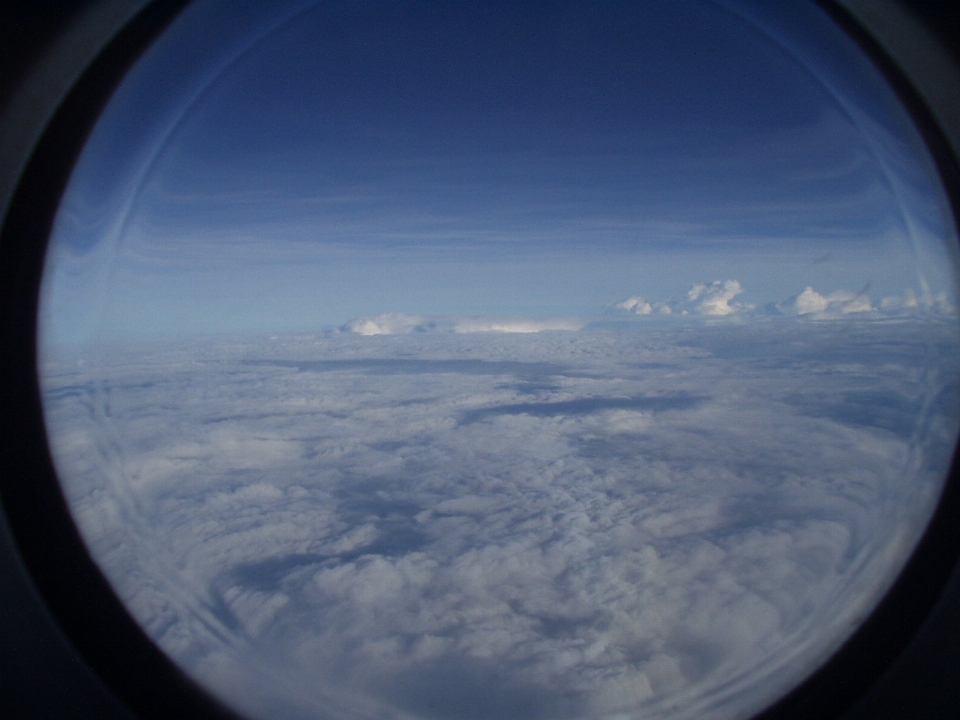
point(41, 144)
point(60, 101)
point(920, 71)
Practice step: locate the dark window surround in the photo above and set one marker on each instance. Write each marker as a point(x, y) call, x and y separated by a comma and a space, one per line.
point(46, 45)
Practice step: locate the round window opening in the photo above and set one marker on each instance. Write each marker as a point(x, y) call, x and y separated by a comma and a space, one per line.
point(556, 360)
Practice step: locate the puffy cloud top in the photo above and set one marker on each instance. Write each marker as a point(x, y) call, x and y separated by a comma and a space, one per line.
point(717, 299)
point(384, 324)
point(636, 305)
point(839, 302)
point(714, 299)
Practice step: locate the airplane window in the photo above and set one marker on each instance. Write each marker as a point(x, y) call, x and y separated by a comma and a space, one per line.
point(565, 360)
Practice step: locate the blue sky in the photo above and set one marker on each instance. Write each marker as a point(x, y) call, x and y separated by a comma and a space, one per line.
point(307, 165)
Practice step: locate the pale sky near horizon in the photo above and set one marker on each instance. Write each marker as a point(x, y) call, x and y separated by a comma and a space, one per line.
point(311, 167)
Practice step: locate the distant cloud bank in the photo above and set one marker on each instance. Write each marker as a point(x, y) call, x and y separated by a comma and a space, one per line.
point(839, 302)
point(515, 326)
point(399, 324)
point(718, 299)
point(385, 324)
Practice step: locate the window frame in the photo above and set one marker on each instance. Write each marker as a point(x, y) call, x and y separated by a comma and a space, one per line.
point(51, 104)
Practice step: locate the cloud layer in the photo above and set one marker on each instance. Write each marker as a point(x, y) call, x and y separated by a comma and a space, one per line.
point(399, 324)
point(492, 524)
point(716, 299)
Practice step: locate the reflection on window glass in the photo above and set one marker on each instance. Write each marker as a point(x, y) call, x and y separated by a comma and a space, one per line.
point(570, 360)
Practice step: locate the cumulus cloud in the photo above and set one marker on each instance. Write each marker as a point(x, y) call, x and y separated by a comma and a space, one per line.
point(384, 324)
point(637, 305)
point(601, 524)
point(837, 303)
point(715, 298)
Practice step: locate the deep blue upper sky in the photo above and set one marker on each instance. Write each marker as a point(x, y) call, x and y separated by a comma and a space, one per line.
point(297, 168)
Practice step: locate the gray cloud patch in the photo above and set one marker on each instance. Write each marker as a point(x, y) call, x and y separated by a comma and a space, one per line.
point(586, 406)
point(400, 366)
point(469, 689)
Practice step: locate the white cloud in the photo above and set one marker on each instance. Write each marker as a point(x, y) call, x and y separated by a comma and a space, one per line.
point(384, 324)
point(515, 326)
point(810, 301)
point(715, 298)
point(839, 302)
point(399, 324)
point(843, 304)
point(636, 304)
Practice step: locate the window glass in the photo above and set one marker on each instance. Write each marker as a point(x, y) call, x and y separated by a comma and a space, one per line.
point(556, 360)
